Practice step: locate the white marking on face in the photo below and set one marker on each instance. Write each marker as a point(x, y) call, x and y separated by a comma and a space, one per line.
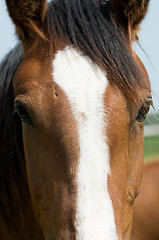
point(84, 84)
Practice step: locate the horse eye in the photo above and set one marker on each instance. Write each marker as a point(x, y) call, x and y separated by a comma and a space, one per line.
point(143, 111)
point(22, 112)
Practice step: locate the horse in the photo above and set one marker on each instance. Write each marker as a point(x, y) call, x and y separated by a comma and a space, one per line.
point(74, 97)
point(146, 209)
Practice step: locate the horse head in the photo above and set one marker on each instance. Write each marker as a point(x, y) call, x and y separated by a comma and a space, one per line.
point(82, 95)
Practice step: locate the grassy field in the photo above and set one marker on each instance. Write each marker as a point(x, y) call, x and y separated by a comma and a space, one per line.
point(151, 147)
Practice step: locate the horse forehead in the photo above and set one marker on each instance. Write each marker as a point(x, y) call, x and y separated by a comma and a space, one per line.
point(74, 71)
point(31, 73)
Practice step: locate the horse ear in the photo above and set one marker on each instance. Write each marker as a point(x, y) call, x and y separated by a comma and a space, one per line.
point(28, 16)
point(130, 12)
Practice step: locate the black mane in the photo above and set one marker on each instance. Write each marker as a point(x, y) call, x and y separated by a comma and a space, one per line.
point(12, 170)
point(10, 133)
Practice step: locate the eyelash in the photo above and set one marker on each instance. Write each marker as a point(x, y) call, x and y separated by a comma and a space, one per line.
point(143, 111)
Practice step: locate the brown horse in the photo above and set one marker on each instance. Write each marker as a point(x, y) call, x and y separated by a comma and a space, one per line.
point(146, 207)
point(82, 95)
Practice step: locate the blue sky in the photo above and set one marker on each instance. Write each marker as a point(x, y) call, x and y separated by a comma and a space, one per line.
point(149, 41)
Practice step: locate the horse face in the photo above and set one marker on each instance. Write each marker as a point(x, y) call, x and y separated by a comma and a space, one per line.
point(83, 142)
point(83, 146)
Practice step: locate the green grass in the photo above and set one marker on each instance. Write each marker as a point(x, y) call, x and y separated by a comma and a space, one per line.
point(151, 147)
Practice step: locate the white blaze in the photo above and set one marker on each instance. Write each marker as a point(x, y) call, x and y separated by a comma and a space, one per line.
point(84, 84)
